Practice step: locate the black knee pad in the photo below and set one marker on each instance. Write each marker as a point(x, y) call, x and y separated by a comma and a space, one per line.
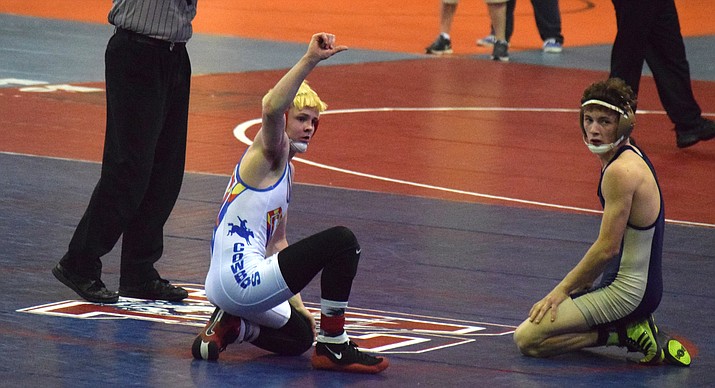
point(334, 251)
point(293, 339)
point(347, 239)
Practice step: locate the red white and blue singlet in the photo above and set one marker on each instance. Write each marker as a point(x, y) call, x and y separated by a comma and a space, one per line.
point(241, 279)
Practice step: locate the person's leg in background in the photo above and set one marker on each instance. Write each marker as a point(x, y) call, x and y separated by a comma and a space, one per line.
point(497, 15)
point(443, 43)
point(548, 21)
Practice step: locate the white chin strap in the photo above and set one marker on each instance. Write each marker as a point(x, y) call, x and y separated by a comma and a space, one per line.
point(603, 148)
point(298, 146)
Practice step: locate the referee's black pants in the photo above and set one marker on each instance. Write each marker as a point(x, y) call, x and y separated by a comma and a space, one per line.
point(649, 30)
point(143, 163)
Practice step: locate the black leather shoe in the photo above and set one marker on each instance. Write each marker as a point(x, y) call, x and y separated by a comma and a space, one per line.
point(157, 289)
point(704, 131)
point(92, 290)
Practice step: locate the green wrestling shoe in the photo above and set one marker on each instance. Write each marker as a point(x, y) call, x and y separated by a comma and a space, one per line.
point(642, 337)
point(676, 353)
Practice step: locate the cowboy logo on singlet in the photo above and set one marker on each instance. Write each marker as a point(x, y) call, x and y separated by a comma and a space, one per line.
point(242, 277)
point(241, 230)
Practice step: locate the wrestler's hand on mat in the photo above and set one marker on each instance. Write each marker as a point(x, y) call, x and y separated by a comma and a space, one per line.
point(297, 302)
point(308, 315)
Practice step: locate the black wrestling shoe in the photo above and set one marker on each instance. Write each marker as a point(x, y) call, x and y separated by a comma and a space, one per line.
point(346, 357)
point(704, 131)
point(157, 289)
point(92, 290)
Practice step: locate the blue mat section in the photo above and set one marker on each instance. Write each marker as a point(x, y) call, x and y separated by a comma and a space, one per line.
point(430, 260)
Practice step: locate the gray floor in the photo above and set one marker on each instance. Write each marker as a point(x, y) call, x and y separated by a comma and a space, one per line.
point(71, 52)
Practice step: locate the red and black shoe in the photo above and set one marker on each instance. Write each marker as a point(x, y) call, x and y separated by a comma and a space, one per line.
point(346, 357)
point(221, 330)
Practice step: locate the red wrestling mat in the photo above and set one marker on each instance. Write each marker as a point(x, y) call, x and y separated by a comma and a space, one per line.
point(452, 136)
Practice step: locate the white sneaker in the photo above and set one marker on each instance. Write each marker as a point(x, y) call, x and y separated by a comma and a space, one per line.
point(487, 41)
point(552, 46)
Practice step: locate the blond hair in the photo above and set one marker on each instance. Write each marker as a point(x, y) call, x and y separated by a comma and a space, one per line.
point(306, 97)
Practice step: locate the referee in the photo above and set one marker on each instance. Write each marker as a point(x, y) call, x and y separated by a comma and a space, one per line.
point(148, 74)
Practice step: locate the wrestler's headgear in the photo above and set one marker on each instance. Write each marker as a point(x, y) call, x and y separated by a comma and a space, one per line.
point(615, 95)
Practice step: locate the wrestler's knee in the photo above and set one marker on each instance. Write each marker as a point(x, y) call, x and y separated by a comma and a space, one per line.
point(293, 339)
point(304, 334)
point(526, 340)
point(296, 347)
point(344, 235)
point(349, 249)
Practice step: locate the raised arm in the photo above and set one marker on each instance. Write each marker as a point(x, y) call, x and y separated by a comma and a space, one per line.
point(278, 100)
point(265, 159)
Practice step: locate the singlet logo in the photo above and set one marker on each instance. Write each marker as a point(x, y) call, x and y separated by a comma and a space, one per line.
point(241, 230)
point(273, 218)
point(243, 278)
